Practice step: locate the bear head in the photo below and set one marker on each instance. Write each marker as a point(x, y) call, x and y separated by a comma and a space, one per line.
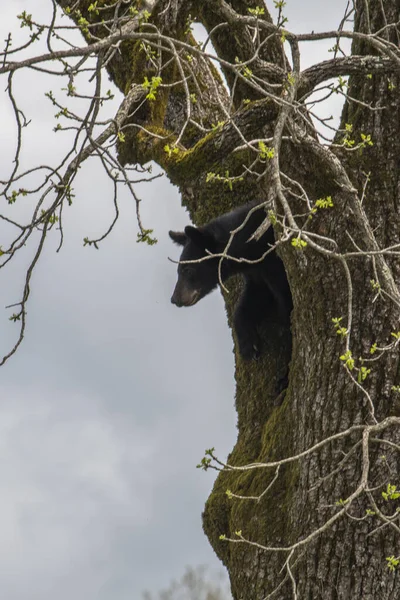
point(195, 279)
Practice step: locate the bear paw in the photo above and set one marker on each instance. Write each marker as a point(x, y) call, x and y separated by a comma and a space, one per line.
point(249, 349)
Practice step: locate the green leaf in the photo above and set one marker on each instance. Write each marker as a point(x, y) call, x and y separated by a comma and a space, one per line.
point(265, 151)
point(348, 359)
point(391, 493)
point(392, 563)
point(144, 236)
point(363, 374)
point(151, 87)
point(298, 243)
point(256, 12)
point(324, 202)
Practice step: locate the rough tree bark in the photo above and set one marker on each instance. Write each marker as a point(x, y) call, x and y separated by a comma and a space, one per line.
point(320, 492)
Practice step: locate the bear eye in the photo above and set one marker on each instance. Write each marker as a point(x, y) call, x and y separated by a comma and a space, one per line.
point(188, 270)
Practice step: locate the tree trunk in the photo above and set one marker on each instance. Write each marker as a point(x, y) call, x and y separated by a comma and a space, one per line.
point(309, 535)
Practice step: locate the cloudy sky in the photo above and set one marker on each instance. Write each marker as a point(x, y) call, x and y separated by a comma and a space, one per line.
point(115, 393)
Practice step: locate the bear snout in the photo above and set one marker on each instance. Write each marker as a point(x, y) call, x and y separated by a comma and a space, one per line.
point(184, 297)
point(176, 301)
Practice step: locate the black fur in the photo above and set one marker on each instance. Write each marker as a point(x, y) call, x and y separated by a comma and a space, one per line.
point(266, 287)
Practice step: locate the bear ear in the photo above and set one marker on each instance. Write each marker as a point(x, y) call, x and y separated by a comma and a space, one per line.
point(202, 239)
point(179, 237)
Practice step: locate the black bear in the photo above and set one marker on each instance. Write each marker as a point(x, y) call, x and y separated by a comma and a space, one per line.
point(266, 286)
